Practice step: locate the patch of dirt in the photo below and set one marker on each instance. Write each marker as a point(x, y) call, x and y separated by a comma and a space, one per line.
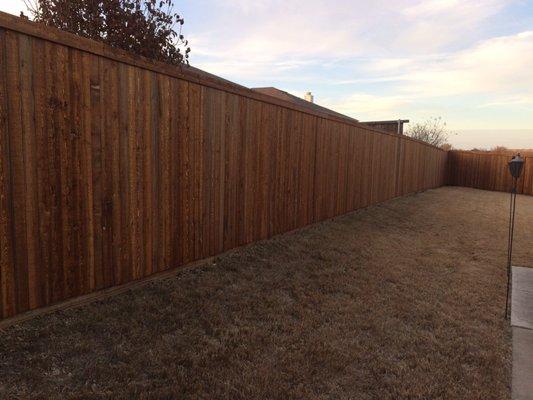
point(400, 300)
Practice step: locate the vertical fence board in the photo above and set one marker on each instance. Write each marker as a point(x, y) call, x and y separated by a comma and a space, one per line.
point(88, 119)
point(232, 160)
point(42, 160)
point(527, 179)
point(16, 157)
point(110, 178)
point(8, 301)
point(125, 93)
point(26, 64)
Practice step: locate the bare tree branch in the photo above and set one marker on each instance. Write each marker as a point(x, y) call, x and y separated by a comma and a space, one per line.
point(433, 131)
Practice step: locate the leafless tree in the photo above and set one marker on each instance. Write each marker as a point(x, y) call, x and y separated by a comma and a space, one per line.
point(150, 28)
point(433, 131)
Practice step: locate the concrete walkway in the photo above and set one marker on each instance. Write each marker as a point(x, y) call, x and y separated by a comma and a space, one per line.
point(522, 326)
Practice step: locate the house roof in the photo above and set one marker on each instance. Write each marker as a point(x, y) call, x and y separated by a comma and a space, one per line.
point(282, 95)
point(392, 126)
point(392, 121)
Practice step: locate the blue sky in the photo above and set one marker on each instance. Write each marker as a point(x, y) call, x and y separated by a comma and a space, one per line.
point(470, 62)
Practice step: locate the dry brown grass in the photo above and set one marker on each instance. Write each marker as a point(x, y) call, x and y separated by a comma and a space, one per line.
point(401, 300)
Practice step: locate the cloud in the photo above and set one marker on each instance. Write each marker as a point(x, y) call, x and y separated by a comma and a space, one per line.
point(501, 65)
point(366, 106)
point(498, 69)
point(419, 48)
point(510, 101)
point(434, 24)
point(13, 6)
point(272, 30)
point(431, 7)
point(454, 9)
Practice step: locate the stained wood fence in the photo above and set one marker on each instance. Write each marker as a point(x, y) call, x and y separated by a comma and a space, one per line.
point(114, 167)
point(488, 171)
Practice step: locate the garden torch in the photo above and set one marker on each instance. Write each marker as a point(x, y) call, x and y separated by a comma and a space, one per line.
point(515, 168)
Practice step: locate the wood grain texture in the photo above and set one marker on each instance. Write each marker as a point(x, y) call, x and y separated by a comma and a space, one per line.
point(113, 169)
point(8, 301)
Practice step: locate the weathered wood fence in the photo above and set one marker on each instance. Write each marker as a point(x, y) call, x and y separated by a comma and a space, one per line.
point(114, 168)
point(487, 171)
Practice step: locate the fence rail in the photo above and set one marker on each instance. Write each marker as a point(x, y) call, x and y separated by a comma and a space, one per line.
point(487, 171)
point(114, 168)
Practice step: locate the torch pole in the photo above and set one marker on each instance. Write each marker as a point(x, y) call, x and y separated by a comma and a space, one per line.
point(512, 210)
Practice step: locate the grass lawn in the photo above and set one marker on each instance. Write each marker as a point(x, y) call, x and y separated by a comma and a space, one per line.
point(400, 300)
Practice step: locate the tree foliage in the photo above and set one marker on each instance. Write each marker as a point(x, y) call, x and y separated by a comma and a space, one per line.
point(432, 131)
point(149, 28)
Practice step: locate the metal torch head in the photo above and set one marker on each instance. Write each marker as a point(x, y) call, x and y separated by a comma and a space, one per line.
point(516, 165)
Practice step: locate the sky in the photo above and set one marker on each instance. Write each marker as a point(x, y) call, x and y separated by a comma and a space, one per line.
point(468, 62)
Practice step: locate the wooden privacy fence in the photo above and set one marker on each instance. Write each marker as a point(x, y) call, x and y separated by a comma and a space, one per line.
point(487, 171)
point(114, 168)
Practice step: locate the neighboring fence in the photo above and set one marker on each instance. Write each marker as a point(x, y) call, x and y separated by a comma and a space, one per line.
point(487, 171)
point(114, 167)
